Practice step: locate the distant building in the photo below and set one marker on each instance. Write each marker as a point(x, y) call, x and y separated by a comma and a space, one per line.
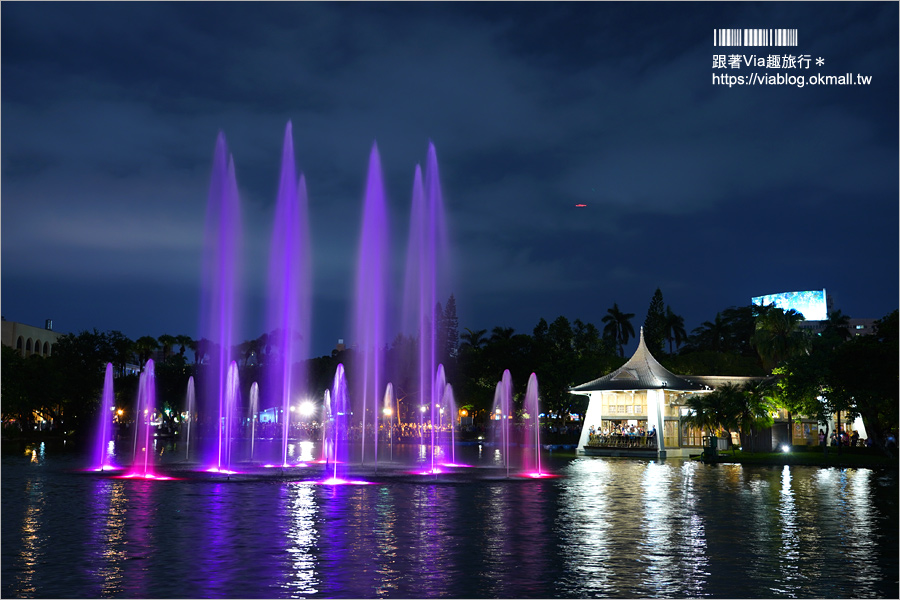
point(856, 327)
point(815, 306)
point(28, 339)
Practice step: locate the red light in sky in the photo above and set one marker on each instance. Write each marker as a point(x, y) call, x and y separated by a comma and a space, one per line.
point(580, 205)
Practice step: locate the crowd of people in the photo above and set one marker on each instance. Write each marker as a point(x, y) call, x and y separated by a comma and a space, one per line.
point(619, 434)
point(842, 438)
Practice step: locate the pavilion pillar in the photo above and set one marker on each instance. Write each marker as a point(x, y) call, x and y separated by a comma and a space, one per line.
point(591, 417)
point(655, 404)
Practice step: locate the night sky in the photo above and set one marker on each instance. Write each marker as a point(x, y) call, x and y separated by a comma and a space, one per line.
point(714, 194)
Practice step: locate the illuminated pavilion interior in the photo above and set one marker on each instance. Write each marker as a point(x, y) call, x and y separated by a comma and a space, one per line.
point(645, 394)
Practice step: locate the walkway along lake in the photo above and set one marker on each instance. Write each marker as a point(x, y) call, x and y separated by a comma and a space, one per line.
point(603, 527)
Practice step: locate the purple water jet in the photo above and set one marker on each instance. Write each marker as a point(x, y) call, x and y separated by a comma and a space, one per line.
point(502, 415)
point(426, 258)
point(289, 291)
point(371, 292)
point(449, 402)
point(219, 307)
point(388, 412)
point(532, 428)
point(338, 428)
point(104, 430)
point(190, 403)
point(254, 408)
point(228, 419)
point(142, 463)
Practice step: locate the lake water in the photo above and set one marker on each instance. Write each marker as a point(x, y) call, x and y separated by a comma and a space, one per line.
point(604, 527)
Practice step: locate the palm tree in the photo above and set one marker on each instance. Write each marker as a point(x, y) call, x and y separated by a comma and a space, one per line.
point(673, 326)
point(751, 407)
point(167, 341)
point(474, 339)
point(618, 327)
point(713, 411)
point(778, 336)
point(184, 342)
point(705, 411)
point(837, 326)
point(502, 333)
point(145, 346)
point(711, 334)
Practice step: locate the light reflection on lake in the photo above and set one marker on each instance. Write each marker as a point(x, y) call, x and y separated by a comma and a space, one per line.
point(604, 527)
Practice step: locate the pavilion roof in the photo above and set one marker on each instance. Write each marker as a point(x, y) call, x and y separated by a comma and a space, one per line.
point(641, 372)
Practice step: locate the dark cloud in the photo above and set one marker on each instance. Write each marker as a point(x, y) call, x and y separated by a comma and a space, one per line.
point(111, 110)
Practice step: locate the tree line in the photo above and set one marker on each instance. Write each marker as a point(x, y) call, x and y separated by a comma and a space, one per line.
point(809, 375)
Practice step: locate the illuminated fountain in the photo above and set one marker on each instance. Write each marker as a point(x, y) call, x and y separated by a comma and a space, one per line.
point(104, 430)
point(228, 420)
point(371, 302)
point(190, 403)
point(502, 416)
point(221, 266)
point(361, 399)
point(531, 437)
point(142, 455)
point(289, 291)
point(254, 409)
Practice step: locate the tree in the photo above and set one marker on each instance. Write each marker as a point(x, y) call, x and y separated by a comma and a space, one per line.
point(778, 335)
point(863, 378)
point(750, 409)
point(145, 346)
point(618, 327)
point(123, 350)
point(166, 342)
point(655, 323)
point(837, 328)
point(711, 335)
point(184, 342)
point(708, 411)
point(451, 324)
point(499, 334)
point(673, 328)
point(802, 388)
point(474, 339)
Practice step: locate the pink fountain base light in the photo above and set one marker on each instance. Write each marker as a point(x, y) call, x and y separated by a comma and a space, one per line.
point(107, 468)
point(536, 475)
point(146, 477)
point(222, 471)
point(335, 481)
point(286, 465)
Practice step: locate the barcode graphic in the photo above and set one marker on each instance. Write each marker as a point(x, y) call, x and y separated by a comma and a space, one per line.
point(754, 37)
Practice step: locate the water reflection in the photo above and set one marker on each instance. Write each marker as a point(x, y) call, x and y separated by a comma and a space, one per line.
point(585, 515)
point(107, 551)
point(388, 570)
point(302, 538)
point(860, 535)
point(31, 540)
point(605, 528)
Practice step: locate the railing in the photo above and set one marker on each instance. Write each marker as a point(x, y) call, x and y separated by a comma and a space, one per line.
point(621, 441)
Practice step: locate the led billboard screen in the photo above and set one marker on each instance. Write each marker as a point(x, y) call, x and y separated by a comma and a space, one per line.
point(810, 304)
